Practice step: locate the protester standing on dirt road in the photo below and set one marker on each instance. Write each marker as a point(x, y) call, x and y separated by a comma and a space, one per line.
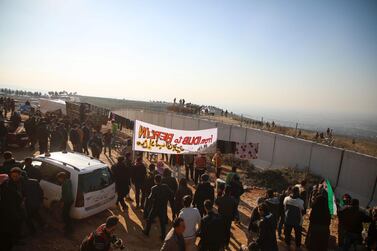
point(95, 144)
point(294, 208)
point(66, 200)
point(107, 140)
point(139, 174)
point(3, 136)
point(158, 200)
point(212, 230)
point(43, 135)
point(122, 176)
point(85, 139)
point(227, 207)
point(182, 191)
point(204, 191)
point(11, 209)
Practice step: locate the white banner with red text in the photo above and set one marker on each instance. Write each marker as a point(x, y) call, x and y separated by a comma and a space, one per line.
point(152, 138)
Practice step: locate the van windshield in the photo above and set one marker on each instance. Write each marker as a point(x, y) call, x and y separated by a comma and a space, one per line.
point(94, 181)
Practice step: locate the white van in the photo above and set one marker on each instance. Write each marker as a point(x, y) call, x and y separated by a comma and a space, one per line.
point(92, 184)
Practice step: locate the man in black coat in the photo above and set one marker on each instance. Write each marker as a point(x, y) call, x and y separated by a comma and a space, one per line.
point(227, 208)
point(122, 175)
point(33, 201)
point(158, 201)
point(139, 174)
point(9, 163)
point(203, 192)
point(11, 209)
point(43, 134)
point(266, 239)
point(86, 137)
point(212, 230)
point(31, 171)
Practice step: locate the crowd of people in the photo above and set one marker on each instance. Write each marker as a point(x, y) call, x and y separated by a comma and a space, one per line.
point(193, 210)
point(202, 213)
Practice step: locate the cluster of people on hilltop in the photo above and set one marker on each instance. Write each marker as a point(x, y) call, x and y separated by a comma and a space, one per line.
point(193, 212)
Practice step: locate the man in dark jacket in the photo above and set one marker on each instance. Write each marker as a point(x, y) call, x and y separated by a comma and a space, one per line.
point(205, 191)
point(64, 137)
point(96, 144)
point(272, 202)
point(266, 239)
point(139, 174)
point(33, 201)
point(3, 136)
point(174, 240)
point(85, 139)
point(11, 209)
point(169, 180)
point(31, 171)
point(56, 139)
point(74, 137)
point(352, 219)
point(66, 200)
point(9, 163)
point(227, 208)
point(102, 238)
point(158, 200)
point(148, 184)
point(212, 230)
point(43, 134)
point(237, 190)
point(122, 176)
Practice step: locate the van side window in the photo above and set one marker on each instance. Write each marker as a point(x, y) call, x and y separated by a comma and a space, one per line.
point(49, 172)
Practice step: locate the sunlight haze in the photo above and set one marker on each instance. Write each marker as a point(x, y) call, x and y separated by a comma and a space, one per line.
point(315, 56)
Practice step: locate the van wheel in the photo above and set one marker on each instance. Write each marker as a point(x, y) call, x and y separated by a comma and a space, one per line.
point(56, 210)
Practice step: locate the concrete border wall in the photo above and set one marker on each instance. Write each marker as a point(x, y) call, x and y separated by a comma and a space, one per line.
point(357, 176)
point(178, 122)
point(291, 152)
point(238, 134)
point(325, 161)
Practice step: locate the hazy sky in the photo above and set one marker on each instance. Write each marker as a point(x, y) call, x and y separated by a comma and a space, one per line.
point(244, 55)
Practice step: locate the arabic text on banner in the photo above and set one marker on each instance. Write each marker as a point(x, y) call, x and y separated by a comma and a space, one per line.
point(157, 139)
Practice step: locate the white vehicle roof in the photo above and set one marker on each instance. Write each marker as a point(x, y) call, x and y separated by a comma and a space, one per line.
point(74, 160)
